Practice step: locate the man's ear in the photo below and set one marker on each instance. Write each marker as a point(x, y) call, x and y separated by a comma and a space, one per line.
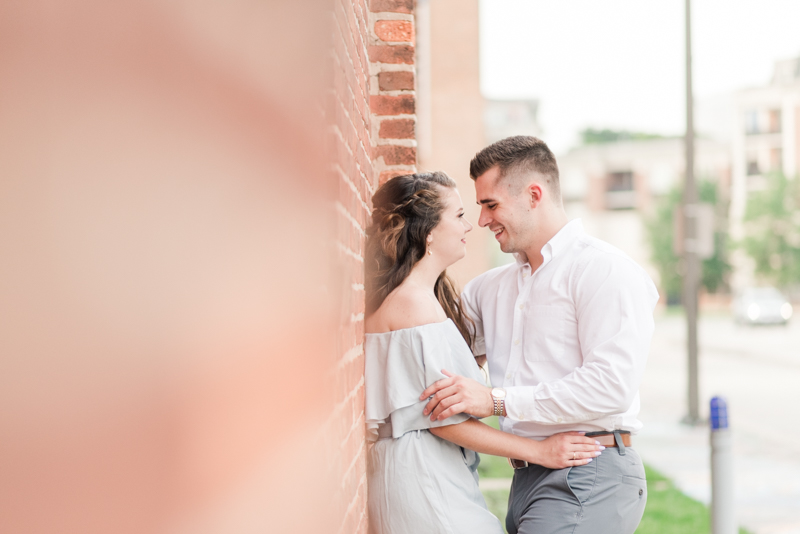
point(535, 194)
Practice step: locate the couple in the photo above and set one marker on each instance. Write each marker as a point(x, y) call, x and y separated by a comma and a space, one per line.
point(565, 329)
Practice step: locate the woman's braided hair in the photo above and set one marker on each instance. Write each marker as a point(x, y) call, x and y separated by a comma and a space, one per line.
point(406, 209)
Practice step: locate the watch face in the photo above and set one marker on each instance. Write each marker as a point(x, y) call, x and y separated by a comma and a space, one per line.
point(498, 393)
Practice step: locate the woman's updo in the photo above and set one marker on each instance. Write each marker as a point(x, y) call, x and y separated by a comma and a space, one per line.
point(405, 211)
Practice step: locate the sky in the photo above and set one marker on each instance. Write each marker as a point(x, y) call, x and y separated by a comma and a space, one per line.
point(620, 63)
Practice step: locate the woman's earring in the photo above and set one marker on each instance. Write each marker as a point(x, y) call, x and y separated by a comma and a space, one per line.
point(429, 252)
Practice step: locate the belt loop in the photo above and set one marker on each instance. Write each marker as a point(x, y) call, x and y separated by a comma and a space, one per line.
point(620, 444)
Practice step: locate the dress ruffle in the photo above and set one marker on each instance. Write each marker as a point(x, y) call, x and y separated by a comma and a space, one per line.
point(401, 364)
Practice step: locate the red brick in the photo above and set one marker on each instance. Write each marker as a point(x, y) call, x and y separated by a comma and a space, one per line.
point(396, 81)
point(391, 6)
point(392, 54)
point(392, 105)
point(397, 129)
point(397, 155)
point(395, 31)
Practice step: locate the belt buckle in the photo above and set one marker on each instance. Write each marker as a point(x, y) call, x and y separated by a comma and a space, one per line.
point(517, 464)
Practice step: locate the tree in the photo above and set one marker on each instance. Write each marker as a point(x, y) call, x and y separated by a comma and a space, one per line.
point(772, 230)
point(590, 136)
point(660, 231)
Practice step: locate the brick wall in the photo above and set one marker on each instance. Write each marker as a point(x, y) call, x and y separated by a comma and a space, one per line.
point(392, 99)
point(370, 112)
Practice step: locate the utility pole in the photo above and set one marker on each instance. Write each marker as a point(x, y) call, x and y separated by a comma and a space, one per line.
point(691, 260)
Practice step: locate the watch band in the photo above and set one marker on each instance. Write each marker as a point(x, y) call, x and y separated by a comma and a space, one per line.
point(499, 406)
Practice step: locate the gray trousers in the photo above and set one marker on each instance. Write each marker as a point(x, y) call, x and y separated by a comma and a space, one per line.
point(607, 495)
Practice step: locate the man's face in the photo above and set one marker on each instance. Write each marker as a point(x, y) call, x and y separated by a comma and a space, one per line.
point(505, 210)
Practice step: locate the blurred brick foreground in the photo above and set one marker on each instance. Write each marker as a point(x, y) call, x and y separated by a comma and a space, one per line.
point(180, 339)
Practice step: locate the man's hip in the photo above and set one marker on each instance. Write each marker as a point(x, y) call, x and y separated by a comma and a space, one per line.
point(605, 495)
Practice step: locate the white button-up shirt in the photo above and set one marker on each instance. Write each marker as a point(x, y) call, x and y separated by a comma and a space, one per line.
point(568, 342)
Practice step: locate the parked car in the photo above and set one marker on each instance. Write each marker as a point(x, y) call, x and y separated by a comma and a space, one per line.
point(761, 305)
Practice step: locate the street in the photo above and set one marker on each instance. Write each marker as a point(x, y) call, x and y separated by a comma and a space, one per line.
point(757, 370)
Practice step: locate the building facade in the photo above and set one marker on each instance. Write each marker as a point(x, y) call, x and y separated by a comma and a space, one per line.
point(451, 129)
point(614, 187)
point(766, 139)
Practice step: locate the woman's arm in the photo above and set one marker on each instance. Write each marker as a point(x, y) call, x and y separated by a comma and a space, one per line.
point(555, 452)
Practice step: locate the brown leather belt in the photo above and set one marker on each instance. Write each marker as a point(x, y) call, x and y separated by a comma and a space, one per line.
point(605, 439)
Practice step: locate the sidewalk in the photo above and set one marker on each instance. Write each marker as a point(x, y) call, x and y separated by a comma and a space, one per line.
point(767, 490)
point(763, 411)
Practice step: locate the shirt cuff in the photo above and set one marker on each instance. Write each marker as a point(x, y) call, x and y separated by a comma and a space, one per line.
point(518, 407)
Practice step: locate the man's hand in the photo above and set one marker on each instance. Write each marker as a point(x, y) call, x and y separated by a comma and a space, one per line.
point(457, 394)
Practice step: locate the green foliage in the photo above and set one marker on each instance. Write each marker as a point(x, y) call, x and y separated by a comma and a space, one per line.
point(494, 467)
point(590, 136)
point(660, 233)
point(668, 511)
point(772, 230)
point(497, 503)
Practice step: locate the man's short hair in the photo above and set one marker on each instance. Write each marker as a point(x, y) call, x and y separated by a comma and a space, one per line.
point(519, 154)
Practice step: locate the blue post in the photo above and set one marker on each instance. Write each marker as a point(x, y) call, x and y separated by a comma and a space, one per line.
point(723, 518)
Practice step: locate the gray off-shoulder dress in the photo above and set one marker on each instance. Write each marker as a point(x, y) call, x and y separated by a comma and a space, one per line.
point(419, 483)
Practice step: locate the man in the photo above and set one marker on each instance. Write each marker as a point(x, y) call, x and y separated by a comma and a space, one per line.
point(566, 330)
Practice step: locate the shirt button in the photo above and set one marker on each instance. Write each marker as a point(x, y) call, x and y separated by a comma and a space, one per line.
point(560, 420)
point(521, 306)
point(509, 375)
point(516, 342)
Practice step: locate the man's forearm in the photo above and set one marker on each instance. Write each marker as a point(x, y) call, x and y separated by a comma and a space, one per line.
point(573, 399)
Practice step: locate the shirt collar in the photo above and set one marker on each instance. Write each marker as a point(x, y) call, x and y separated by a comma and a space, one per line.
point(557, 243)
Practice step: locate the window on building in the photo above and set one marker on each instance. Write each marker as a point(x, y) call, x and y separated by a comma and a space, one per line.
point(774, 121)
point(620, 181)
point(620, 194)
point(751, 122)
point(752, 168)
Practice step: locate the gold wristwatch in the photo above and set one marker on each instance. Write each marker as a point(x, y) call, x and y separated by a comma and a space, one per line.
point(499, 400)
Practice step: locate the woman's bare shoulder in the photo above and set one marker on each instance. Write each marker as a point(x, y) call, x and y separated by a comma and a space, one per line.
point(405, 307)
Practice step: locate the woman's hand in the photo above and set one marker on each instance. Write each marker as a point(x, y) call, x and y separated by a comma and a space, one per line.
point(567, 449)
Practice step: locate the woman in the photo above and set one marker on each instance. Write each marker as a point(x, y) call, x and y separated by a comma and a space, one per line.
point(422, 474)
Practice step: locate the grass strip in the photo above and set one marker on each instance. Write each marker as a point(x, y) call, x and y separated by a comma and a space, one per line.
point(669, 511)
